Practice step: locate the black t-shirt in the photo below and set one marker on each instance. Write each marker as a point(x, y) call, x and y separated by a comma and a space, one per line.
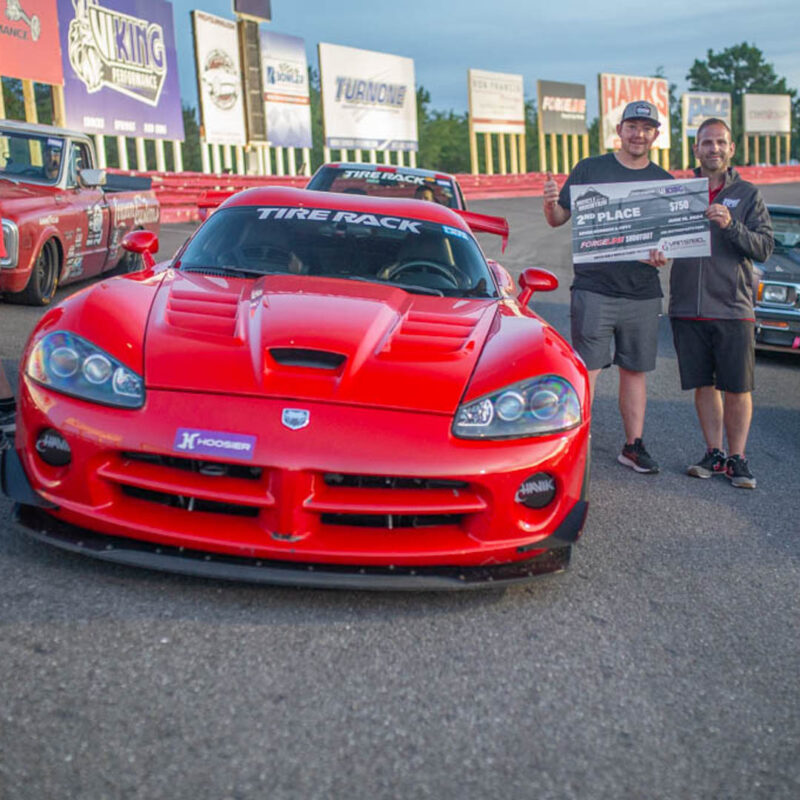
point(614, 278)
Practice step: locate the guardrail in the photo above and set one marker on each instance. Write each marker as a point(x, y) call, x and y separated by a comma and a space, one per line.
point(179, 192)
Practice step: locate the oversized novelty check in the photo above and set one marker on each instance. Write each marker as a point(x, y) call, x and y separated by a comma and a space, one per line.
point(624, 221)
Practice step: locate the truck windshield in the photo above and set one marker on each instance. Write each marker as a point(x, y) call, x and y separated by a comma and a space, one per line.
point(31, 157)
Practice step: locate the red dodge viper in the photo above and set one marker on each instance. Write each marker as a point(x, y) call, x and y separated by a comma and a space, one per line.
point(319, 389)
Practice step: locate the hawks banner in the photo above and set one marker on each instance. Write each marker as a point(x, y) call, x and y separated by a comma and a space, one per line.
point(219, 79)
point(369, 99)
point(697, 107)
point(285, 80)
point(563, 107)
point(496, 102)
point(29, 47)
point(120, 68)
point(616, 91)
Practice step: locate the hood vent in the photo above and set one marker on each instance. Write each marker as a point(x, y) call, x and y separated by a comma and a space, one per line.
point(435, 334)
point(203, 313)
point(312, 359)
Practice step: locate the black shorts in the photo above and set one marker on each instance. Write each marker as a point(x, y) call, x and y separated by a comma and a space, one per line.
point(716, 352)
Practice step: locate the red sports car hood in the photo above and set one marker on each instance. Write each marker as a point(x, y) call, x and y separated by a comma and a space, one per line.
point(306, 338)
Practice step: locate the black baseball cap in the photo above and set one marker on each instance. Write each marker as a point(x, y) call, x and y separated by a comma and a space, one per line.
point(641, 109)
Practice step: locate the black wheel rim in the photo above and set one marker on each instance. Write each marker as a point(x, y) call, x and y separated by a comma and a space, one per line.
point(46, 272)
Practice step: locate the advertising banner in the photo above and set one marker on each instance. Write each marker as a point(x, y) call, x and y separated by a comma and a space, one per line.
point(29, 46)
point(120, 68)
point(697, 107)
point(285, 80)
point(625, 221)
point(496, 102)
point(562, 106)
point(616, 91)
point(369, 99)
point(767, 114)
point(219, 79)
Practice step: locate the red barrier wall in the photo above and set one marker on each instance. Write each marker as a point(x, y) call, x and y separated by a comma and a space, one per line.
point(179, 192)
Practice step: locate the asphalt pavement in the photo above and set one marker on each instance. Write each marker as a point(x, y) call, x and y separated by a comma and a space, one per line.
point(662, 664)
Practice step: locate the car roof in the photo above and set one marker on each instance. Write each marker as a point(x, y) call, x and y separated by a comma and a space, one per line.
point(43, 130)
point(793, 211)
point(423, 173)
point(365, 204)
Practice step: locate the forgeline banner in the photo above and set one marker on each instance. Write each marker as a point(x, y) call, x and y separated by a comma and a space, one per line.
point(219, 79)
point(562, 106)
point(369, 99)
point(697, 107)
point(496, 102)
point(120, 68)
point(616, 91)
point(767, 114)
point(29, 46)
point(285, 80)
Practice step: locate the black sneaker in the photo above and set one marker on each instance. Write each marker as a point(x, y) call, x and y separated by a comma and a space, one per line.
point(636, 457)
point(712, 463)
point(738, 473)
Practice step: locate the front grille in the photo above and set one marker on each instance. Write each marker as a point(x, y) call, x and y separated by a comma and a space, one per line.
point(202, 466)
point(391, 521)
point(390, 482)
point(189, 503)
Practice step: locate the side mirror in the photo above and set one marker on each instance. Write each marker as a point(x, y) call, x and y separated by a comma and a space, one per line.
point(533, 280)
point(92, 177)
point(144, 242)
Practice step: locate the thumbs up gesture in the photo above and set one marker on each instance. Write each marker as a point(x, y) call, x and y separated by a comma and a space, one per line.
point(550, 192)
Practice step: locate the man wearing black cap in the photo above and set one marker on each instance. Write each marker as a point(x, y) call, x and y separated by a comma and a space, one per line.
point(619, 300)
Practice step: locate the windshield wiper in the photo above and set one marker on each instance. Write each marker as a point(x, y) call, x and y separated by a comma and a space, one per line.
point(225, 270)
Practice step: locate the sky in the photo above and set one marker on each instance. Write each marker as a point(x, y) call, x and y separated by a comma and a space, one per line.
point(561, 40)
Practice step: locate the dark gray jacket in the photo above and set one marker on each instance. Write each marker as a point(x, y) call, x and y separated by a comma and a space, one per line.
point(721, 286)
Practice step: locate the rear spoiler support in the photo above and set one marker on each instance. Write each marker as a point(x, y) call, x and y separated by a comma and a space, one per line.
point(484, 223)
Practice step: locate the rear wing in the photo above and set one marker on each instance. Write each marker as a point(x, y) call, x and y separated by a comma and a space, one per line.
point(484, 223)
point(212, 199)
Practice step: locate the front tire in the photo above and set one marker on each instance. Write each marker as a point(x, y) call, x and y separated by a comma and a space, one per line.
point(43, 280)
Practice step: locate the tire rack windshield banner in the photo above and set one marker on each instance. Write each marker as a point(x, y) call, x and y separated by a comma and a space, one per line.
point(767, 114)
point(29, 45)
point(285, 80)
point(219, 79)
point(120, 68)
point(563, 107)
point(697, 107)
point(369, 99)
point(616, 91)
point(496, 102)
point(624, 221)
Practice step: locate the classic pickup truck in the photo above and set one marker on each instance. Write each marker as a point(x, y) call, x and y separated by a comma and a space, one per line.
point(62, 219)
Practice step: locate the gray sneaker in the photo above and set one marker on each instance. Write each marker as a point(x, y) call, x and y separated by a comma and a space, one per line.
point(712, 463)
point(738, 473)
point(637, 458)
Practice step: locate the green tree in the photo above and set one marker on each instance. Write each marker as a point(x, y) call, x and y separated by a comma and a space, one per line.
point(192, 161)
point(739, 70)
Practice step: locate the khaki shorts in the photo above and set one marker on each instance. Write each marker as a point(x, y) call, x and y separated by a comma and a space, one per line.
point(597, 319)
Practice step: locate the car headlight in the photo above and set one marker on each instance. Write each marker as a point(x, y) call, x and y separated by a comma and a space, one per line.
point(69, 364)
point(542, 405)
point(773, 293)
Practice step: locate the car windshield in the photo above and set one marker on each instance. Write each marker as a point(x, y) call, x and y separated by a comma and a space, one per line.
point(384, 182)
point(30, 157)
point(420, 257)
point(786, 230)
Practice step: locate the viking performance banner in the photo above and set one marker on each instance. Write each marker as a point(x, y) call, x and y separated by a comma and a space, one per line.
point(219, 79)
point(563, 107)
point(369, 99)
point(624, 221)
point(616, 91)
point(285, 81)
point(29, 46)
point(697, 107)
point(496, 102)
point(120, 68)
point(767, 114)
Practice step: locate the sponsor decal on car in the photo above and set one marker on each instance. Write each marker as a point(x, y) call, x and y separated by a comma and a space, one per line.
point(214, 443)
point(384, 177)
point(331, 215)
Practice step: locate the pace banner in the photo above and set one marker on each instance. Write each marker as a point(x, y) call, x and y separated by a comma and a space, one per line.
point(616, 91)
point(562, 106)
point(624, 221)
point(219, 79)
point(29, 45)
point(286, 98)
point(697, 107)
point(496, 102)
point(120, 68)
point(369, 99)
point(767, 114)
